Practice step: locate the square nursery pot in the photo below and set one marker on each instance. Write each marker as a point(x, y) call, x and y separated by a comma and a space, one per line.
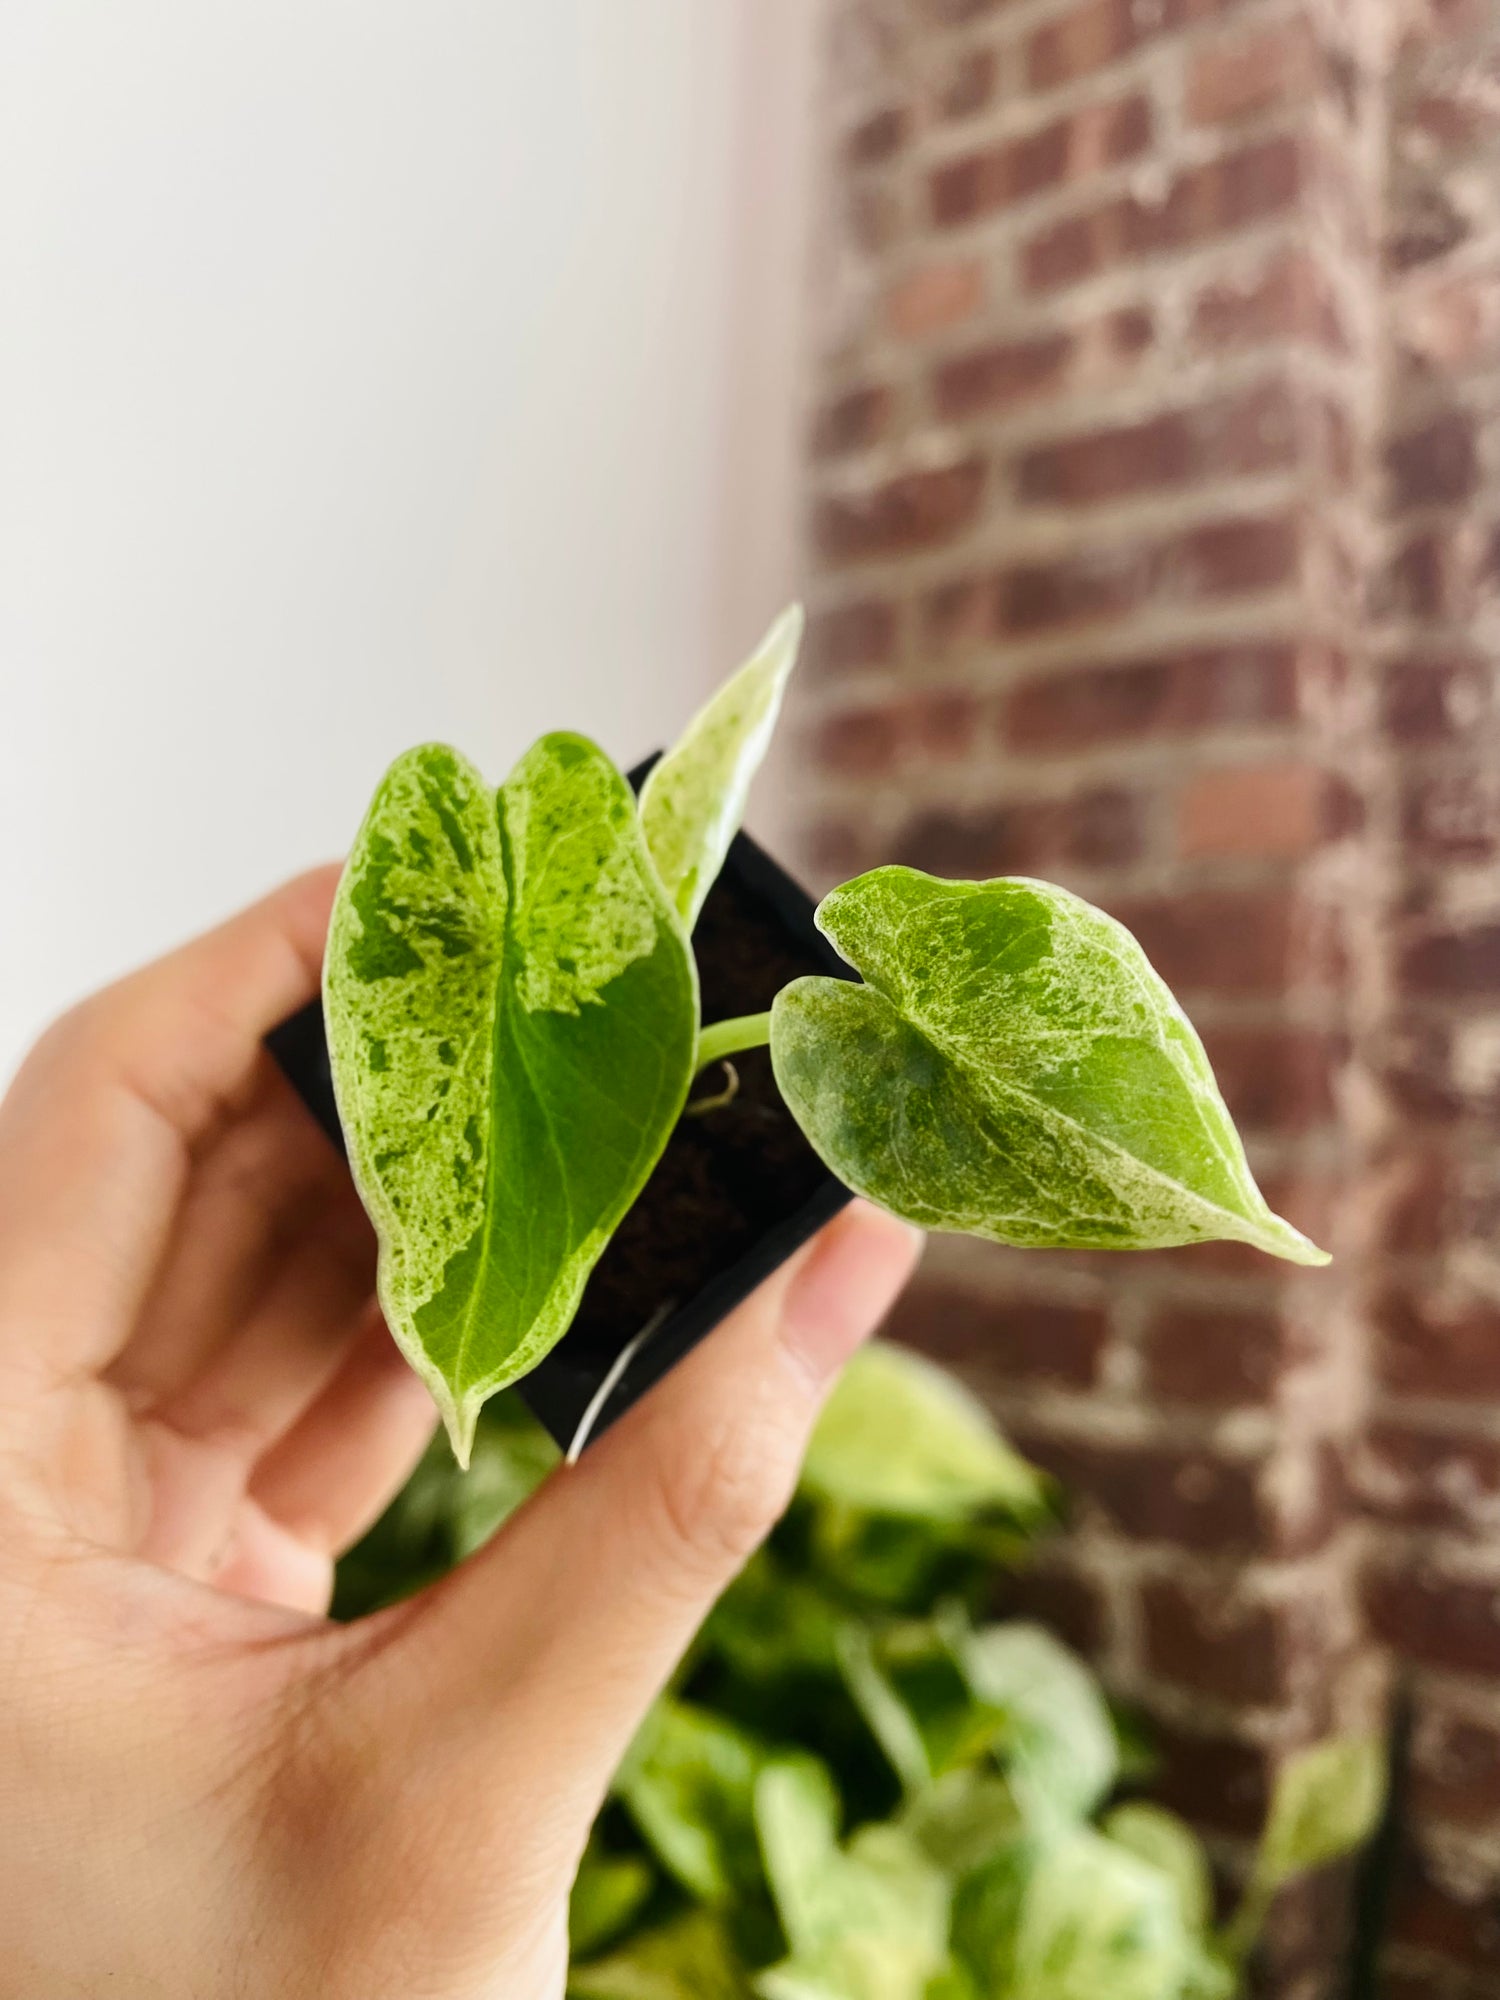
point(736, 1191)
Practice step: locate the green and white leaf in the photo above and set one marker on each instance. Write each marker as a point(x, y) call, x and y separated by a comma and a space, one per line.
point(689, 1959)
point(512, 1015)
point(987, 1912)
point(899, 1436)
point(866, 1922)
point(694, 798)
point(1094, 1921)
point(890, 1721)
point(1013, 1068)
point(688, 1781)
point(1056, 1742)
point(1163, 1841)
point(963, 1821)
point(1326, 1803)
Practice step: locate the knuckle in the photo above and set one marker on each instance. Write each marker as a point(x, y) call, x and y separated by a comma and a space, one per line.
point(719, 1494)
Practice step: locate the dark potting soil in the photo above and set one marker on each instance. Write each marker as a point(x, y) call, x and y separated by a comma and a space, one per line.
point(727, 1176)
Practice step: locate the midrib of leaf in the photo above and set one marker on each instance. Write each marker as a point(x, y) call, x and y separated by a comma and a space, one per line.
point(992, 1090)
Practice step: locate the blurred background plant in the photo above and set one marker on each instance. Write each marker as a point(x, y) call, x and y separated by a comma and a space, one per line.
point(859, 1787)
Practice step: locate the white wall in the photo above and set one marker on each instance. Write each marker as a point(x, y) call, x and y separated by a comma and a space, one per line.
point(370, 370)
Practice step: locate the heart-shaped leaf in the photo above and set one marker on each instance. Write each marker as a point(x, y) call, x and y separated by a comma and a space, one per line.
point(512, 1015)
point(901, 1436)
point(1054, 1739)
point(865, 1922)
point(1326, 1802)
point(1164, 1841)
point(1015, 1069)
point(1094, 1920)
point(689, 1784)
point(694, 798)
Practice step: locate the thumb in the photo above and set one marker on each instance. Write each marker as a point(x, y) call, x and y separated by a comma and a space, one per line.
point(545, 1651)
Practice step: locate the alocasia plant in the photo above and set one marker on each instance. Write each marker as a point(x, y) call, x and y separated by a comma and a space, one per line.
point(512, 1011)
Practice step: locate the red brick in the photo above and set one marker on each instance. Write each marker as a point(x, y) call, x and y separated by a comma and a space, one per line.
point(1423, 1478)
point(1221, 1644)
point(943, 723)
point(1066, 1603)
point(1436, 465)
point(1435, 697)
point(916, 510)
point(1439, 1346)
point(864, 634)
point(1091, 828)
point(1072, 591)
point(859, 742)
point(1254, 431)
point(877, 138)
point(1214, 1356)
point(1067, 149)
point(1215, 1781)
point(1189, 1499)
point(1227, 558)
point(1274, 67)
point(851, 422)
point(1085, 39)
point(1289, 298)
point(958, 615)
point(1275, 1079)
point(1452, 815)
point(1169, 694)
point(1431, 576)
point(958, 13)
point(1433, 1918)
point(1003, 1339)
point(1455, 1766)
point(999, 376)
point(1216, 940)
point(966, 85)
point(1454, 964)
point(1441, 1621)
point(1265, 810)
point(1426, 227)
point(1212, 199)
point(935, 297)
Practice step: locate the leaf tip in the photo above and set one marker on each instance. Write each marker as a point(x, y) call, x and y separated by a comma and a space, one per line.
point(460, 1420)
point(1287, 1242)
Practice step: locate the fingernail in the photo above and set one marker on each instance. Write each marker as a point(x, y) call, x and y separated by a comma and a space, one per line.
point(838, 1297)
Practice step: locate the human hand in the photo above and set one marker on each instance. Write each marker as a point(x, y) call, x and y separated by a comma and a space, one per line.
point(205, 1788)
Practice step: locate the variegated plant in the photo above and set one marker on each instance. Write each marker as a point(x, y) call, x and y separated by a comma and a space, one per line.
point(512, 1011)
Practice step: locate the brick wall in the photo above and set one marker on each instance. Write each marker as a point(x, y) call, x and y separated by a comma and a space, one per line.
point(1154, 480)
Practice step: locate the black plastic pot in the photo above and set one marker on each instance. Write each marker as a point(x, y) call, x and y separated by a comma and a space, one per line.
point(735, 1193)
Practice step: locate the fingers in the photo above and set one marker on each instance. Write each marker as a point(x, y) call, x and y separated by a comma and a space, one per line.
point(253, 1195)
point(557, 1637)
point(339, 1467)
point(97, 1130)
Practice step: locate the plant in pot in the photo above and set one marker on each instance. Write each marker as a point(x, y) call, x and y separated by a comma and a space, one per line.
point(598, 1066)
point(515, 1017)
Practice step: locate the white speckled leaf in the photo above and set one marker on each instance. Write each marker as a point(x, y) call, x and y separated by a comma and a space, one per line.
point(512, 1013)
point(1013, 1068)
point(868, 1921)
point(1095, 1921)
point(694, 798)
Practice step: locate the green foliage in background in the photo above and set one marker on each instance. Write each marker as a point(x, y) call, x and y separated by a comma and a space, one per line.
point(861, 1788)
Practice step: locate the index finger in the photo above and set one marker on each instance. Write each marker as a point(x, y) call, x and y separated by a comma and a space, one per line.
point(97, 1131)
